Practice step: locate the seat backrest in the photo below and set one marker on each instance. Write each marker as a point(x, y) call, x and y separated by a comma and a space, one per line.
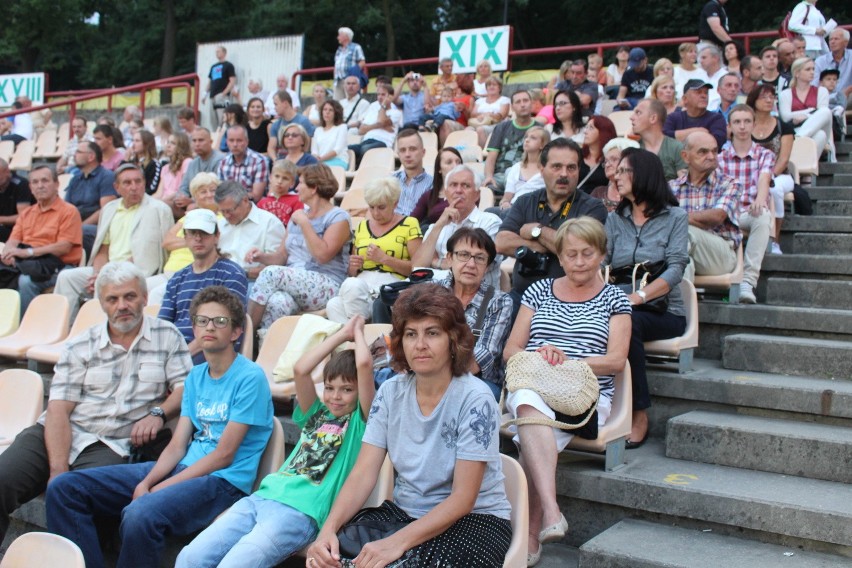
point(804, 155)
point(23, 156)
point(621, 120)
point(46, 143)
point(46, 319)
point(353, 202)
point(152, 310)
point(247, 349)
point(517, 492)
point(486, 198)
point(378, 157)
point(340, 176)
point(690, 303)
point(7, 149)
point(21, 401)
point(430, 140)
point(42, 549)
point(383, 490)
point(90, 314)
point(374, 330)
point(10, 311)
point(367, 173)
point(277, 337)
point(461, 139)
point(64, 180)
point(274, 454)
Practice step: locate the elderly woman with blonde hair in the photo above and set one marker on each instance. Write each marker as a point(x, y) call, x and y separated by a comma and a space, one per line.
point(381, 253)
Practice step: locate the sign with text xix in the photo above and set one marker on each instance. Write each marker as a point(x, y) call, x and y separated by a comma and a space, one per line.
point(468, 47)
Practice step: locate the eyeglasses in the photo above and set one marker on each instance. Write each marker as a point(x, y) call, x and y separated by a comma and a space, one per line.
point(233, 209)
point(219, 322)
point(562, 103)
point(292, 135)
point(463, 256)
point(195, 234)
point(623, 171)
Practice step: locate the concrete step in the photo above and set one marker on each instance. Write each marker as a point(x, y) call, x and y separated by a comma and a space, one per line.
point(710, 386)
point(824, 265)
point(844, 167)
point(818, 193)
point(639, 544)
point(779, 509)
point(833, 208)
point(817, 224)
point(832, 294)
point(843, 179)
point(799, 356)
point(815, 451)
point(822, 243)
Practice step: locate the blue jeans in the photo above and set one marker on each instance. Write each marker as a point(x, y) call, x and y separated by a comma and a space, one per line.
point(73, 500)
point(256, 532)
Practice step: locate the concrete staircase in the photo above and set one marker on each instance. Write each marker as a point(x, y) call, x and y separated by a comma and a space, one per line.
point(749, 463)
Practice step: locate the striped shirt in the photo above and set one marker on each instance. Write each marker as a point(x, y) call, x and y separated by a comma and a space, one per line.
point(412, 190)
point(579, 329)
point(114, 388)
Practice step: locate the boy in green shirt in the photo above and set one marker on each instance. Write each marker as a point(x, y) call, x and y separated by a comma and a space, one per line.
point(285, 513)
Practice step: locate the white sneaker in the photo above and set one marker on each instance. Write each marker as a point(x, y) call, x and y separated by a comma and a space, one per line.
point(776, 248)
point(747, 294)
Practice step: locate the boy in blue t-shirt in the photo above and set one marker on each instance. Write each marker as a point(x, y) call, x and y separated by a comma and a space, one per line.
point(285, 514)
point(446, 110)
point(210, 462)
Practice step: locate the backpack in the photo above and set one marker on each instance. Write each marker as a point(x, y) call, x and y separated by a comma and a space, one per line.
point(784, 28)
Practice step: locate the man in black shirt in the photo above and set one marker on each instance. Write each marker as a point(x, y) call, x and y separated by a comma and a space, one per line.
point(532, 221)
point(15, 196)
point(635, 80)
point(713, 23)
point(223, 78)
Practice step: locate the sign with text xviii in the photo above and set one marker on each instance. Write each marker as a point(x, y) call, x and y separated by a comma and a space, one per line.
point(468, 47)
point(22, 84)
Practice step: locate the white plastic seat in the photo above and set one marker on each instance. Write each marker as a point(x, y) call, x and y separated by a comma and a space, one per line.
point(621, 120)
point(722, 282)
point(10, 311)
point(804, 156)
point(681, 348)
point(462, 139)
point(486, 198)
point(90, 314)
point(274, 454)
point(45, 322)
point(40, 549)
point(517, 491)
point(21, 403)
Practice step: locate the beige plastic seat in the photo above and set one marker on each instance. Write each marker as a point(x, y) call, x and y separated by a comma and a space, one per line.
point(517, 491)
point(462, 139)
point(429, 159)
point(64, 131)
point(724, 282)
point(613, 435)
point(804, 157)
point(353, 202)
point(430, 141)
point(10, 311)
point(152, 310)
point(354, 221)
point(340, 176)
point(366, 174)
point(378, 158)
point(46, 145)
point(608, 107)
point(21, 403)
point(274, 454)
point(45, 322)
point(374, 330)
point(64, 180)
point(277, 337)
point(90, 314)
point(486, 198)
point(39, 549)
point(478, 167)
point(7, 150)
point(681, 348)
point(247, 349)
point(621, 120)
point(23, 156)
point(506, 268)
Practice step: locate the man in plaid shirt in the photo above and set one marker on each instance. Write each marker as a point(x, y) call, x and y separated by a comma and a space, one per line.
point(752, 165)
point(243, 165)
point(712, 201)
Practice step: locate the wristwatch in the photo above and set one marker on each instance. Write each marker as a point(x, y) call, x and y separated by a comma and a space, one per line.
point(158, 412)
point(30, 251)
point(536, 232)
point(641, 294)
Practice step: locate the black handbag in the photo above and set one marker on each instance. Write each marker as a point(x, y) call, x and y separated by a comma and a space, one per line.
point(353, 536)
point(390, 292)
point(635, 277)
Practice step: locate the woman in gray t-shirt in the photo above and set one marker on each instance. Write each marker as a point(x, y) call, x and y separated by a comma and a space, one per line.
point(439, 425)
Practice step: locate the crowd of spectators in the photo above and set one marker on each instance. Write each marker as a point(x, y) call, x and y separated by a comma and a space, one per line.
point(242, 223)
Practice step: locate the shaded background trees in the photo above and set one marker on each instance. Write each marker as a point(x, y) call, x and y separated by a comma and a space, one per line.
point(138, 40)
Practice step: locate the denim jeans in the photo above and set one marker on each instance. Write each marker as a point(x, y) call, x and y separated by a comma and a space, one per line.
point(256, 532)
point(74, 499)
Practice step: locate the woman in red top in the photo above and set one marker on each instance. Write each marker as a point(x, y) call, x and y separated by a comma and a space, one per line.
point(806, 107)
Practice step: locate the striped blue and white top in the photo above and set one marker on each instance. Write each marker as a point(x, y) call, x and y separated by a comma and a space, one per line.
point(579, 329)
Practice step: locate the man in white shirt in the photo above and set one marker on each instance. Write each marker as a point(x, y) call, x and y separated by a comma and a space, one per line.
point(379, 125)
point(710, 61)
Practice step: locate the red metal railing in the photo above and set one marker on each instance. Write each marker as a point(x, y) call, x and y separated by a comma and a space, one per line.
point(189, 80)
point(81, 92)
point(746, 38)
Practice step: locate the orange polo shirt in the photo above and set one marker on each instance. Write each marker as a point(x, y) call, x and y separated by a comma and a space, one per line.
point(59, 222)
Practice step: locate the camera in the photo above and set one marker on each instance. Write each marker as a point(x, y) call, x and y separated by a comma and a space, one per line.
point(416, 75)
point(531, 263)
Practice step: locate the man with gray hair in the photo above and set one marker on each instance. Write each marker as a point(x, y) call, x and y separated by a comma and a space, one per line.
point(131, 229)
point(710, 61)
point(249, 235)
point(131, 113)
point(840, 58)
point(282, 83)
point(114, 388)
point(462, 192)
point(347, 56)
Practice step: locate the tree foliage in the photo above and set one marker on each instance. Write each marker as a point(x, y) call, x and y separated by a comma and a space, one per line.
point(140, 40)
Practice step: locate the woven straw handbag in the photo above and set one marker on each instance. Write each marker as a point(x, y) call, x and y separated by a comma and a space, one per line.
point(570, 388)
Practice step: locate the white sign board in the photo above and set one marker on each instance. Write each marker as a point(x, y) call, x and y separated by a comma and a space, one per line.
point(27, 84)
point(468, 47)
